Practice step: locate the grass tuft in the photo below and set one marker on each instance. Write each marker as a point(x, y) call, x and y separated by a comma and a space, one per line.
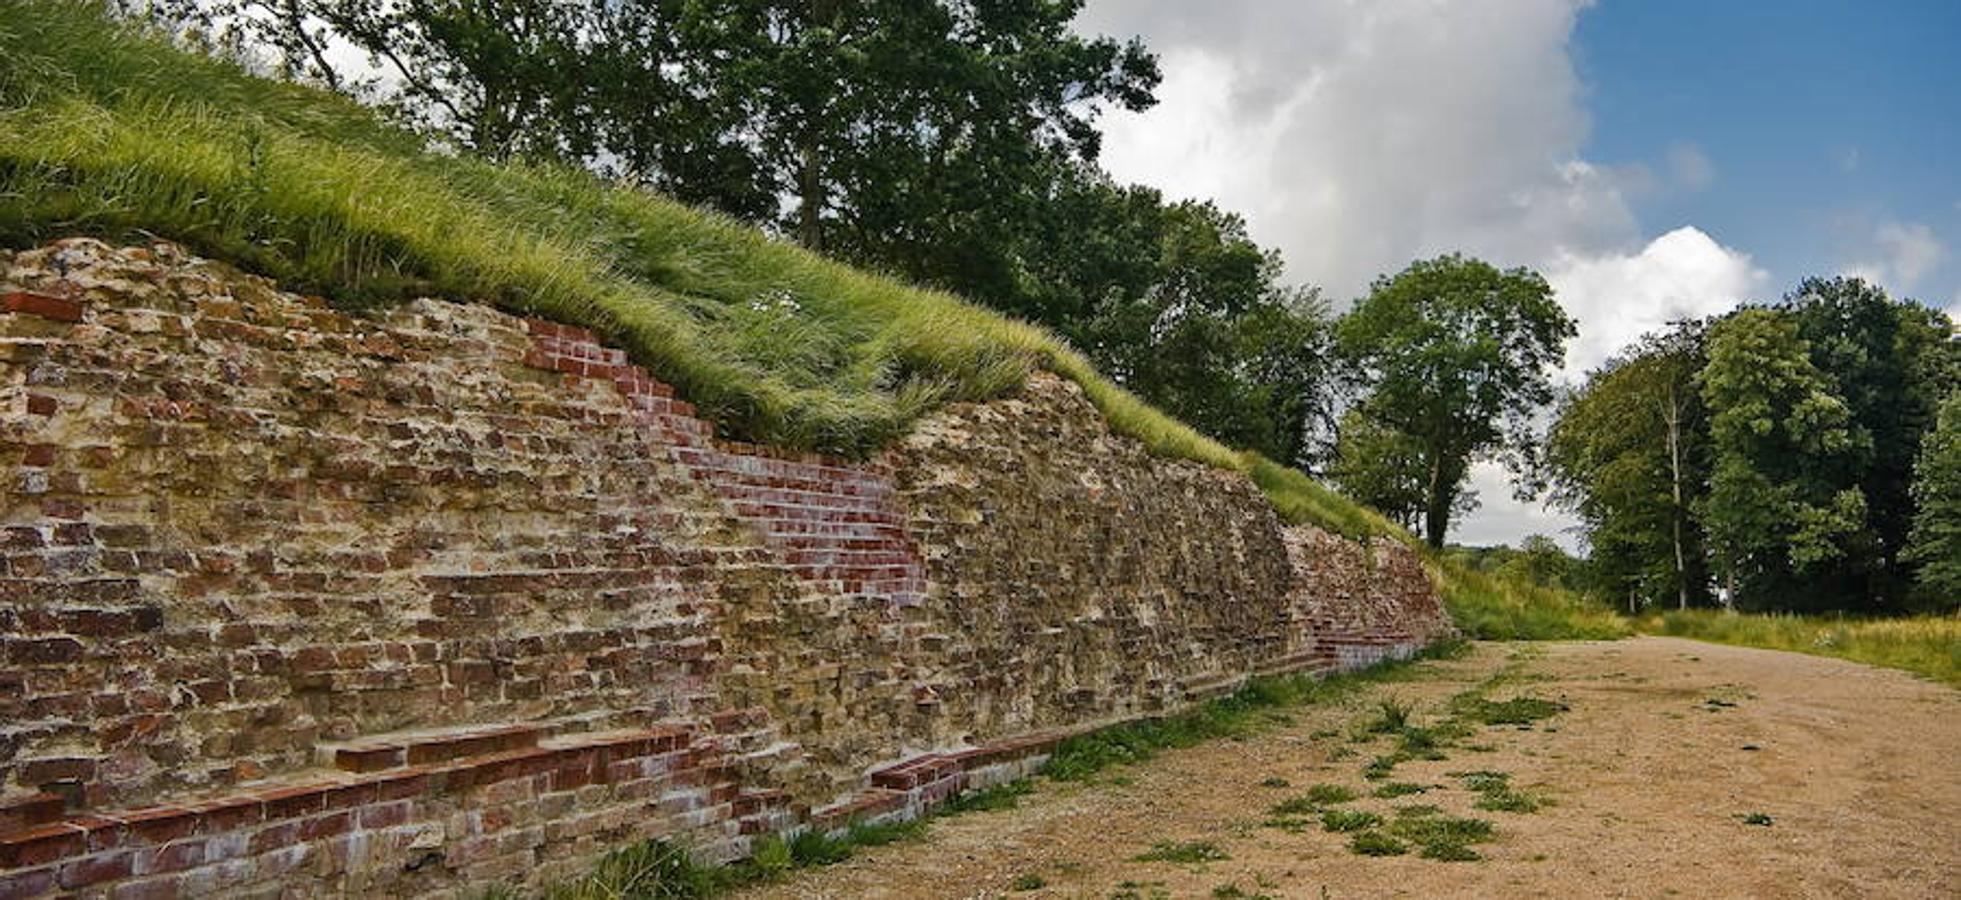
point(1348, 820)
point(1376, 843)
point(1183, 852)
point(1398, 789)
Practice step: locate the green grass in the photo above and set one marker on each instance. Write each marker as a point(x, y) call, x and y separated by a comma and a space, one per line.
point(1183, 852)
point(1376, 843)
point(1399, 789)
point(1488, 606)
point(990, 799)
point(1258, 704)
point(1496, 794)
point(1315, 800)
point(1348, 820)
point(1443, 837)
point(1929, 646)
point(1516, 711)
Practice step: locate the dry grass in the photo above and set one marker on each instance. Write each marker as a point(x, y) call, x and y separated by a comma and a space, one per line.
point(1929, 646)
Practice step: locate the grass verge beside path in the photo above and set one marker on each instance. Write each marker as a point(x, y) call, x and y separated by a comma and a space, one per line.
point(1929, 646)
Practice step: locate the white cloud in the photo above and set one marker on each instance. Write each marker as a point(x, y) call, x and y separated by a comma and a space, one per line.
point(1501, 519)
point(1359, 136)
point(1904, 253)
point(1914, 251)
point(1618, 297)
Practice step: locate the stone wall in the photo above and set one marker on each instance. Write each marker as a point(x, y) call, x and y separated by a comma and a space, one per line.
point(292, 599)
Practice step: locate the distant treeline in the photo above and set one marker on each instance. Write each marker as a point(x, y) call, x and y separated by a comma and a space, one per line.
point(1800, 456)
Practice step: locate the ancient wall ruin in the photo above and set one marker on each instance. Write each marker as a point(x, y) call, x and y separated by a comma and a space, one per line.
point(297, 600)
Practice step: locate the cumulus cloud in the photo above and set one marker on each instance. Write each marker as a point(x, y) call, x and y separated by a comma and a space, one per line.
point(1905, 251)
point(1619, 297)
point(1357, 137)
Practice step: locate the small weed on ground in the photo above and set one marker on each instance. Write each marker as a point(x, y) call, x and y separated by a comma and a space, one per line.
point(1442, 837)
point(1232, 892)
point(1496, 793)
point(1398, 789)
point(1516, 711)
point(1183, 852)
point(1381, 767)
point(1756, 818)
point(1375, 843)
point(1275, 782)
point(1028, 881)
point(1392, 716)
point(1348, 820)
point(998, 797)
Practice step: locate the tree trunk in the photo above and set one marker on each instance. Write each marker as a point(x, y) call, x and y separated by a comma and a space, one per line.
point(1436, 512)
point(1673, 414)
point(810, 187)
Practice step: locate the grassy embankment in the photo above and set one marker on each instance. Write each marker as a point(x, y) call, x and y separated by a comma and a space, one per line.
point(107, 131)
point(1929, 646)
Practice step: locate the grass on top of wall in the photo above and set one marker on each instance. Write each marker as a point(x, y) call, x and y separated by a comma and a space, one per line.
point(1929, 646)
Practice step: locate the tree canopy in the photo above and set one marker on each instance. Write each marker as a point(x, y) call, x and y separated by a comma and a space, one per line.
point(1457, 356)
point(1629, 454)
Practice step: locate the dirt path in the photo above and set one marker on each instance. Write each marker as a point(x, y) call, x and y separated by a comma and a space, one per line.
point(1859, 770)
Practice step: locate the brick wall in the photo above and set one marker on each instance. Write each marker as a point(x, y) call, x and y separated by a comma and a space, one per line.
point(297, 600)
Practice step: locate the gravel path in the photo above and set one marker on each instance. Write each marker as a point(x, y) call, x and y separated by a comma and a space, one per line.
point(1666, 746)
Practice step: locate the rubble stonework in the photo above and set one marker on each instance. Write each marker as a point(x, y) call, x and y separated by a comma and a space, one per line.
point(417, 601)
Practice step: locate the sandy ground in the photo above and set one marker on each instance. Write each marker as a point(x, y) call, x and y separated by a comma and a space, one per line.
point(1859, 769)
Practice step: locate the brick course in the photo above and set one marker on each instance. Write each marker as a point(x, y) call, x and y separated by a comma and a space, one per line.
point(293, 599)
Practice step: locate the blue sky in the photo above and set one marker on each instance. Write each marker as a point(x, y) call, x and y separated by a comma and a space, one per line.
point(1654, 159)
point(1821, 121)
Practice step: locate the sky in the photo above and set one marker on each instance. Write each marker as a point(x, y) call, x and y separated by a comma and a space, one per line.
point(1654, 159)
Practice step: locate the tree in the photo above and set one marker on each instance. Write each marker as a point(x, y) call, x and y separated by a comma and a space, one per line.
point(1777, 517)
point(1380, 467)
point(1629, 454)
point(1206, 331)
point(1891, 362)
point(1935, 541)
point(917, 136)
point(1456, 355)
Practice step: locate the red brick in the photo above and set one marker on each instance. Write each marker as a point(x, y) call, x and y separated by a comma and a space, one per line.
point(33, 809)
point(27, 883)
point(42, 305)
point(41, 844)
point(88, 870)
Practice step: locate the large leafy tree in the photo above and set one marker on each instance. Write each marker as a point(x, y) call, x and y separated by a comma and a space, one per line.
point(919, 136)
point(1629, 454)
point(1890, 361)
point(1936, 536)
point(1779, 514)
point(1456, 355)
point(1384, 469)
point(1206, 331)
